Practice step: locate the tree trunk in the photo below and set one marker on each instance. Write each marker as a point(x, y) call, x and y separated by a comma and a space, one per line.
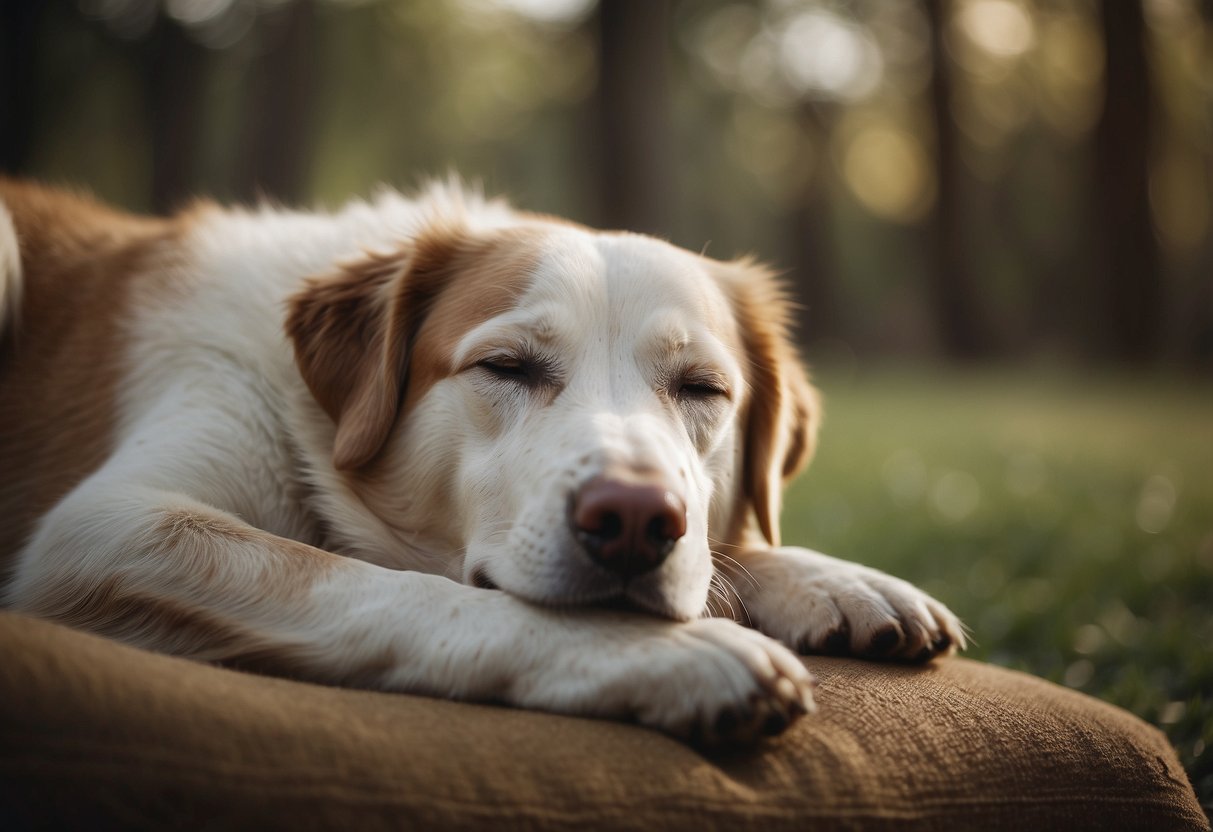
point(174, 70)
point(962, 328)
point(1199, 346)
point(812, 240)
point(635, 162)
point(18, 82)
point(1130, 291)
point(276, 135)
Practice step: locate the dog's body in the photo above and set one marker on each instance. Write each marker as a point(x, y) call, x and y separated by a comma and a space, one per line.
point(410, 446)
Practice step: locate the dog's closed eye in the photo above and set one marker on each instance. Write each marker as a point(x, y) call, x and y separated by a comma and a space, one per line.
point(700, 385)
point(530, 372)
point(506, 367)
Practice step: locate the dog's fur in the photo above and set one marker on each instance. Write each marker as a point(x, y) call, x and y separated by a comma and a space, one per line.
point(356, 448)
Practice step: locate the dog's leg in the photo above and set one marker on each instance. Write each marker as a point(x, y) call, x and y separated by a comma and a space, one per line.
point(818, 604)
point(169, 573)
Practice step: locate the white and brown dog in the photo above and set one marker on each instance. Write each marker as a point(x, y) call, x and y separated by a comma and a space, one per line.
point(433, 445)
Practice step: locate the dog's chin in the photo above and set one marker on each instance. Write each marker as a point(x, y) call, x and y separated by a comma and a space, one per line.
point(645, 602)
point(638, 598)
point(639, 603)
point(620, 603)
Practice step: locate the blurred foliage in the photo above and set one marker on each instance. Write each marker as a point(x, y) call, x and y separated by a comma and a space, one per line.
point(1024, 180)
point(1070, 525)
point(869, 146)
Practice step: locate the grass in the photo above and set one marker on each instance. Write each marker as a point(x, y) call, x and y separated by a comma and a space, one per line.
point(1069, 522)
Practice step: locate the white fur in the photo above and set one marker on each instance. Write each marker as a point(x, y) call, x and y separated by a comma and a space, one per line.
point(216, 423)
point(10, 272)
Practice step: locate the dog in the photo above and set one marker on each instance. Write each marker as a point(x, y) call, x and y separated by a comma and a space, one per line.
point(429, 444)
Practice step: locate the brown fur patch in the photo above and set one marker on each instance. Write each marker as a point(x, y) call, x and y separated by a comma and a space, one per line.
point(210, 554)
point(782, 409)
point(152, 621)
point(348, 352)
point(171, 626)
point(204, 539)
point(359, 333)
point(485, 279)
point(60, 363)
point(179, 526)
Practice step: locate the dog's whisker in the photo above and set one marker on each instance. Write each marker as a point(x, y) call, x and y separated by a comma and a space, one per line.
point(729, 564)
point(733, 593)
point(718, 591)
point(730, 589)
point(496, 533)
point(741, 601)
point(714, 607)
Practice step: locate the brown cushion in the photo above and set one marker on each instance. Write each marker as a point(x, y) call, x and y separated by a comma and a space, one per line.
point(95, 734)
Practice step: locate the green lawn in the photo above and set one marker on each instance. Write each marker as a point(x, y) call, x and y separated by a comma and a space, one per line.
point(1068, 521)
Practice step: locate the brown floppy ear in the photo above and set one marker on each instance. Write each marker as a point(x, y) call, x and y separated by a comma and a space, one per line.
point(783, 410)
point(352, 331)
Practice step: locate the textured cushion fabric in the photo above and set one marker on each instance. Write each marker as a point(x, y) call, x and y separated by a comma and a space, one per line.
point(94, 734)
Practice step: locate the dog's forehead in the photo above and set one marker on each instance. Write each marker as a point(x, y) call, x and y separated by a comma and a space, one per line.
point(627, 282)
point(587, 292)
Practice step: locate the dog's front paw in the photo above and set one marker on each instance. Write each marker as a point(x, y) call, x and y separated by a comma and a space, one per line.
point(723, 684)
point(818, 604)
point(709, 681)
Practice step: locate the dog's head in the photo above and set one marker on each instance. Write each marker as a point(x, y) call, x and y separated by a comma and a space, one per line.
point(567, 415)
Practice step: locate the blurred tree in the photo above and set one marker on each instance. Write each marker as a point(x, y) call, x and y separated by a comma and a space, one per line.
point(277, 128)
point(800, 129)
point(19, 23)
point(962, 329)
point(635, 159)
point(172, 67)
point(812, 234)
point(1198, 346)
point(1129, 286)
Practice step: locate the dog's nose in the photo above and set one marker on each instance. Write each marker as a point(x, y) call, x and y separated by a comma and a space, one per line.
point(628, 528)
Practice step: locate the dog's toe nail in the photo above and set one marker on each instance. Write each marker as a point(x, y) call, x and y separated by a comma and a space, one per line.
point(774, 723)
point(726, 722)
point(942, 643)
point(837, 642)
point(886, 639)
point(695, 735)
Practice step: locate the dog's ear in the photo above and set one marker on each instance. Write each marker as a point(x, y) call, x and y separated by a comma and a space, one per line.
point(782, 410)
point(352, 331)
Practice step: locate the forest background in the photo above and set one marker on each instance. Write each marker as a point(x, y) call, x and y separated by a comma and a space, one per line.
point(997, 216)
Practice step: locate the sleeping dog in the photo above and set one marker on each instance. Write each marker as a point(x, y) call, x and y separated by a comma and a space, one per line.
point(429, 444)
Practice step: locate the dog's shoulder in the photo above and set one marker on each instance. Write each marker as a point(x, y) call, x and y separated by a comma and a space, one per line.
point(67, 266)
point(64, 254)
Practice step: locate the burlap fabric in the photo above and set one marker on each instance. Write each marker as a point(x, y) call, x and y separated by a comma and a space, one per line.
point(95, 735)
